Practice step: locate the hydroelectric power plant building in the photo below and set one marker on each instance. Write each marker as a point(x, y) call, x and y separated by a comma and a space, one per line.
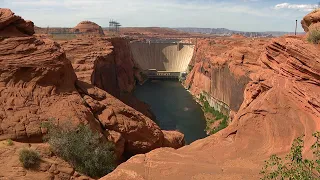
point(163, 59)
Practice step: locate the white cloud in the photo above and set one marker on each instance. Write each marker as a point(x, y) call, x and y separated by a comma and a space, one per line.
point(34, 3)
point(238, 15)
point(301, 7)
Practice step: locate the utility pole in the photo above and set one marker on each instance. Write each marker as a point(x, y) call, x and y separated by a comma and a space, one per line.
point(295, 32)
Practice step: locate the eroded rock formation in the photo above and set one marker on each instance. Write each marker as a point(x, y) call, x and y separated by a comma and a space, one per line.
point(221, 69)
point(311, 21)
point(280, 103)
point(13, 26)
point(108, 64)
point(174, 139)
point(88, 27)
point(38, 84)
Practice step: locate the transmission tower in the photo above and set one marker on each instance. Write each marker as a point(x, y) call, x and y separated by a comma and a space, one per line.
point(114, 26)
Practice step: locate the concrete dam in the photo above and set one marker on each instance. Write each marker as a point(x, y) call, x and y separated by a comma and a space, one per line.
point(162, 60)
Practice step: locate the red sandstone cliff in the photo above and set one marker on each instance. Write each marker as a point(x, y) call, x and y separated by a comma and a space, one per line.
point(279, 84)
point(108, 64)
point(38, 83)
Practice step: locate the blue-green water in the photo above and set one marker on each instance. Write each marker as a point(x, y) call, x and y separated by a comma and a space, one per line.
point(174, 108)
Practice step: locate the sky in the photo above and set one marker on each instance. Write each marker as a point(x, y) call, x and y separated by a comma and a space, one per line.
point(243, 15)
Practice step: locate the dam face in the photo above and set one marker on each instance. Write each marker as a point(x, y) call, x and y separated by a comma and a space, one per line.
point(162, 59)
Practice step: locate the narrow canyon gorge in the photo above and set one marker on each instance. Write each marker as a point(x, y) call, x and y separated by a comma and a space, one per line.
point(267, 90)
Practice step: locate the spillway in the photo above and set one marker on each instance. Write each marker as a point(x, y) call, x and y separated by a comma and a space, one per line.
point(162, 57)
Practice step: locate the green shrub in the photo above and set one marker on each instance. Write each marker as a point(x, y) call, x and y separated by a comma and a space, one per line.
point(294, 167)
point(190, 67)
point(217, 114)
point(29, 158)
point(314, 36)
point(223, 124)
point(9, 142)
point(82, 148)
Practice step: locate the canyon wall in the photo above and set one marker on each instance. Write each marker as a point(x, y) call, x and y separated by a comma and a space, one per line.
point(223, 76)
point(222, 89)
point(108, 64)
point(280, 103)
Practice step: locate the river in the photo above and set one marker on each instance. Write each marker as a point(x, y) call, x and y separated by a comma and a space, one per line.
point(174, 108)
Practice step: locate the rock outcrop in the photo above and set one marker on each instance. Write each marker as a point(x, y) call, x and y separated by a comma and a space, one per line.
point(311, 21)
point(38, 83)
point(174, 139)
point(141, 134)
point(13, 26)
point(88, 27)
point(280, 103)
point(108, 64)
point(50, 167)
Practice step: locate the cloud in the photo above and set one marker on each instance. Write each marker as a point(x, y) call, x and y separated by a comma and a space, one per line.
point(35, 3)
point(300, 7)
point(246, 15)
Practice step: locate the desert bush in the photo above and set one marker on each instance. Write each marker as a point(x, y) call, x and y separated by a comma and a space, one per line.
point(9, 142)
point(294, 167)
point(217, 114)
point(190, 67)
point(82, 148)
point(314, 36)
point(29, 158)
point(223, 124)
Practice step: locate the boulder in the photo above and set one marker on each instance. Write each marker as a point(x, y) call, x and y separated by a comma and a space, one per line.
point(173, 139)
point(311, 21)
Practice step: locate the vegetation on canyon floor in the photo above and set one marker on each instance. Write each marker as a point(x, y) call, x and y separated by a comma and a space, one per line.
point(219, 116)
point(314, 36)
point(294, 167)
point(9, 142)
point(82, 148)
point(29, 158)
